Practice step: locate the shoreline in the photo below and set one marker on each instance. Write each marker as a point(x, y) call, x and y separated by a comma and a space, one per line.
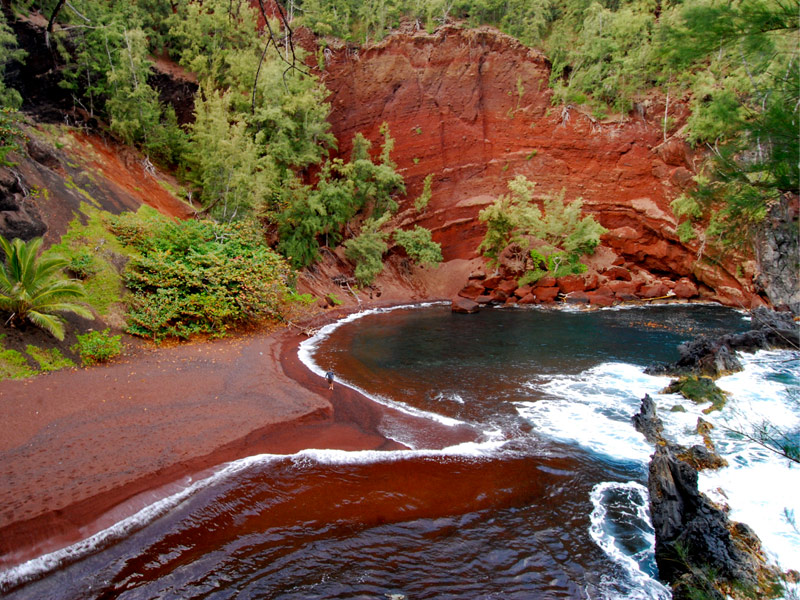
point(74, 463)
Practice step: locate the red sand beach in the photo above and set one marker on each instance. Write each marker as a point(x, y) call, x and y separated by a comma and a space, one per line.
point(81, 449)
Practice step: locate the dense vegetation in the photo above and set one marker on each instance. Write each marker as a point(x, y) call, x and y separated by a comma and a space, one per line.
point(259, 146)
point(189, 277)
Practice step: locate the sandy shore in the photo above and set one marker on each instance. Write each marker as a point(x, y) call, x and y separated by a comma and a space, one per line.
point(83, 448)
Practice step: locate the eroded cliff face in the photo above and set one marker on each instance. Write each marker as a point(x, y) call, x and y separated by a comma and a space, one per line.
point(473, 108)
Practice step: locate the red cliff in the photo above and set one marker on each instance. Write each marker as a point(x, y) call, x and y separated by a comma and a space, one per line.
point(473, 108)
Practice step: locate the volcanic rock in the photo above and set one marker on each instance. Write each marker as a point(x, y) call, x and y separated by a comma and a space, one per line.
point(601, 298)
point(692, 535)
point(655, 290)
point(685, 288)
point(472, 290)
point(571, 283)
point(618, 273)
point(622, 287)
point(523, 291)
point(508, 286)
point(545, 294)
point(464, 305)
point(577, 298)
point(715, 356)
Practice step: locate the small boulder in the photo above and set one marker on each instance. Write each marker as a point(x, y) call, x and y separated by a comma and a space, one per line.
point(523, 291)
point(508, 286)
point(685, 288)
point(655, 290)
point(618, 286)
point(600, 298)
point(472, 290)
point(591, 280)
point(571, 283)
point(577, 298)
point(478, 274)
point(545, 294)
point(464, 305)
point(618, 274)
point(625, 297)
point(498, 296)
point(547, 281)
point(483, 299)
point(491, 283)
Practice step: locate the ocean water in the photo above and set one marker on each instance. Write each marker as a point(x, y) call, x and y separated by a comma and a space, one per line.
point(549, 502)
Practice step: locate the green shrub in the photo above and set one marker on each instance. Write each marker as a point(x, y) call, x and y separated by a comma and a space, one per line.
point(49, 359)
point(367, 251)
point(193, 277)
point(419, 245)
point(13, 365)
point(301, 298)
point(554, 234)
point(82, 265)
point(98, 347)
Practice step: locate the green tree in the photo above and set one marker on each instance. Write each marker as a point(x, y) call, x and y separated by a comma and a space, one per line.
point(419, 245)
point(31, 290)
point(367, 250)
point(343, 189)
point(9, 52)
point(740, 60)
point(603, 53)
point(555, 236)
point(235, 180)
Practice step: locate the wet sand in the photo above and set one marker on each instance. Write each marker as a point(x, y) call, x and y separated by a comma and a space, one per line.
point(81, 449)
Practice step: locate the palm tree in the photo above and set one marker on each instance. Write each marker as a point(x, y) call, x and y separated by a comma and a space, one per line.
point(30, 288)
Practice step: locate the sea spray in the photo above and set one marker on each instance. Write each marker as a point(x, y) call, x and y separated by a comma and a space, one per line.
point(620, 525)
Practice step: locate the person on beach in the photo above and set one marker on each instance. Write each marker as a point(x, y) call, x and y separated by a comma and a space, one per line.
point(329, 377)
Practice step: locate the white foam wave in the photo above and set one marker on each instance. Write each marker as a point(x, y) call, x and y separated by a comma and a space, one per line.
point(593, 409)
point(449, 397)
point(308, 347)
point(605, 531)
point(38, 567)
point(761, 487)
point(35, 568)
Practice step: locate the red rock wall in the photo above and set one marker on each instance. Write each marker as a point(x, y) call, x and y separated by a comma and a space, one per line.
point(452, 103)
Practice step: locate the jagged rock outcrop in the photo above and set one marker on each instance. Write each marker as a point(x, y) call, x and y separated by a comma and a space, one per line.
point(713, 357)
point(697, 547)
point(473, 108)
point(778, 253)
point(19, 214)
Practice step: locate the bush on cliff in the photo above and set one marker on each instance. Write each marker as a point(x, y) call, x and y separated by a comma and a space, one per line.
point(343, 189)
point(555, 236)
point(198, 276)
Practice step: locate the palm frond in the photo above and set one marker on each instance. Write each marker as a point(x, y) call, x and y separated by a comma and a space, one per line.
point(78, 309)
point(51, 323)
point(30, 287)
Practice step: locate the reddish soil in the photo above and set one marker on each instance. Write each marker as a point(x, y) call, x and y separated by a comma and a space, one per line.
point(82, 444)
